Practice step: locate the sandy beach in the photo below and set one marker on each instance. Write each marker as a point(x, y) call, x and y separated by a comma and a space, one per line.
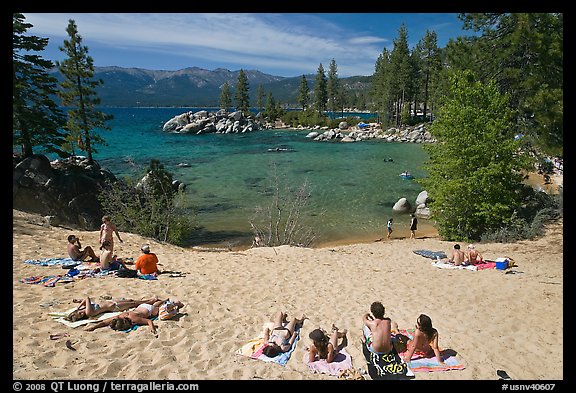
point(492, 320)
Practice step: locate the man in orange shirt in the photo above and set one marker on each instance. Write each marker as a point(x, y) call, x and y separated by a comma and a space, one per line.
point(147, 263)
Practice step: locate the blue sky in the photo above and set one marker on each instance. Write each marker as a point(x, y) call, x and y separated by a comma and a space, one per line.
point(284, 44)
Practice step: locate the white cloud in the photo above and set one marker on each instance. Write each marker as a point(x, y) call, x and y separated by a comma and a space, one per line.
point(291, 41)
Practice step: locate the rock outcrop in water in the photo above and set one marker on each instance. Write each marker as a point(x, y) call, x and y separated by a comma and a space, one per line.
point(204, 122)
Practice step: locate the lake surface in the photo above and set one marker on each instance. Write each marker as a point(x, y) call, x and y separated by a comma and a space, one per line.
point(353, 186)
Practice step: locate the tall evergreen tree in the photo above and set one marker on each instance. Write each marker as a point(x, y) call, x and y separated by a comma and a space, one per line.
point(242, 92)
point(225, 98)
point(381, 92)
point(430, 65)
point(36, 118)
point(333, 88)
point(79, 95)
point(320, 91)
point(303, 93)
point(260, 95)
point(523, 53)
point(401, 72)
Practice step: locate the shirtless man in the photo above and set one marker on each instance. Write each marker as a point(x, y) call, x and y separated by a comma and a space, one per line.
point(376, 330)
point(77, 254)
point(458, 256)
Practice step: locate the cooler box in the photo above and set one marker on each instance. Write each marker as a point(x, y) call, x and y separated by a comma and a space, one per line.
point(502, 263)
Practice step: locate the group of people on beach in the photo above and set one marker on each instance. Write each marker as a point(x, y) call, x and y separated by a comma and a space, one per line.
point(469, 257)
point(380, 334)
point(133, 312)
point(147, 262)
point(413, 226)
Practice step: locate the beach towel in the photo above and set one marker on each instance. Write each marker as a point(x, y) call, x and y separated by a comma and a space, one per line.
point(47, 281)
point(51, 261)
point(431, 254)
point(59, 316)
point(342, 361)
point(253, 349)
point(422, 363)
point(389, 366)
point(446, 265)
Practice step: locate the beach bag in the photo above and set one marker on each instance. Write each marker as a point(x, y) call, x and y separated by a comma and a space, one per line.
point(127, 273)
point(168, 310)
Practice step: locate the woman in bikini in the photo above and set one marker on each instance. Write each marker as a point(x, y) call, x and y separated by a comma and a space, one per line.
point(280, 338)
point(324, 346)
point(425, 342)
point(141, 315)
point(87, 308)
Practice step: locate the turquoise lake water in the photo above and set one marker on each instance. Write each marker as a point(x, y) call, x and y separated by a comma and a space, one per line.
point(353, 186)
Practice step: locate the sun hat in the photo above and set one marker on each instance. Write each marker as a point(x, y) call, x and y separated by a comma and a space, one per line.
point(145, 247)
point(471, 246)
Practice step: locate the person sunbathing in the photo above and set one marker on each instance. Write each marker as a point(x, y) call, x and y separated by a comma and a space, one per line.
point(280, 338)
point(141, 315)
point(324, 346)
point(88, 309)
point(473, 256)
point(425, 342)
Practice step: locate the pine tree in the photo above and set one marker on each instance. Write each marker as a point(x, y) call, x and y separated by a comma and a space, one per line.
point(303, 93)
point(430, 65)
point(401, 72)
point(320, 91)
point(523, 53)
point(225, 98)
point(36, 118)
point(260, 95)
point(79, 95)
point(333, 88)
point(242, 95)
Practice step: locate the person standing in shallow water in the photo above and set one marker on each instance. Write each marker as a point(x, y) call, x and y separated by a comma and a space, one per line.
point(413, 226)
point(389, 227)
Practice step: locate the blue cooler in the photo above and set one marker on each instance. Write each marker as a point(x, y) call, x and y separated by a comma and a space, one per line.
point(502, 263)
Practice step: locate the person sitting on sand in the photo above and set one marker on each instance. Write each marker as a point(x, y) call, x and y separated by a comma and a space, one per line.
point(324, 346)
point(77, 254)
point(472, 256)
point(141, 315)
point(377, 330)
point(280, 338)
point(425, 342)
point(147, 263)
point(87, 308)
point(107, 260)
point(458, 256)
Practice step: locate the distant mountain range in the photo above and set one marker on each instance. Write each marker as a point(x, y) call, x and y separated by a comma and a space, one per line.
point(195, 86)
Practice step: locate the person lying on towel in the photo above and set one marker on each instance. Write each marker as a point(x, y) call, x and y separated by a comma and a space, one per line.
point(280, 338)
point(324, 346)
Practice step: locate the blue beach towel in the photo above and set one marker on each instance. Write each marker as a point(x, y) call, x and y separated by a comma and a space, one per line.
point(50, 261)
point(253, 349)
point(431, 254)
